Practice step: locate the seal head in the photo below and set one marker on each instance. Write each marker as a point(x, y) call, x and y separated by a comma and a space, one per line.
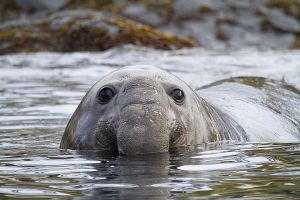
point(135, 110)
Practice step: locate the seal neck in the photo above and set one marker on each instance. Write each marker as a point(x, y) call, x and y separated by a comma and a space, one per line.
point(218, 125)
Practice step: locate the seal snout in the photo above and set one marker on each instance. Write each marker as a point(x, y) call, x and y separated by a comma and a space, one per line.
point(140, 91)
point(139, 85)
point(143, 119)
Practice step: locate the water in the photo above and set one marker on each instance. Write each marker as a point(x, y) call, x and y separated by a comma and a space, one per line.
point(39, 92)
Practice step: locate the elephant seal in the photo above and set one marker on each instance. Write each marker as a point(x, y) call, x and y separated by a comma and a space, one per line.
point(142, 109)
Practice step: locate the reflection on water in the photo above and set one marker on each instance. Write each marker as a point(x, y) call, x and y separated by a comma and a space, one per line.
point(227, 170)
point(39, 92)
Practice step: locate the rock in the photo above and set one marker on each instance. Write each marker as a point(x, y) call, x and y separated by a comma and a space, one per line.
point(281, 22)
point(83, 30)
point(290, 7)
point(296, 44)
point(213, 24)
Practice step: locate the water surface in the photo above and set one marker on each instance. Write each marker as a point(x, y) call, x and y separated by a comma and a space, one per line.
point(39, 92)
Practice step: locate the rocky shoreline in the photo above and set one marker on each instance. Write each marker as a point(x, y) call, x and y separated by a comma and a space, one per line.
point(73, 25)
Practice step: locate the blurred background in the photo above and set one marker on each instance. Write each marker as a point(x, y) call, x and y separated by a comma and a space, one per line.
point(90, 25)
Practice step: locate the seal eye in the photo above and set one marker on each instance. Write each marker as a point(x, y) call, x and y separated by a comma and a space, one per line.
point(105, 95)
point(178, 95)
